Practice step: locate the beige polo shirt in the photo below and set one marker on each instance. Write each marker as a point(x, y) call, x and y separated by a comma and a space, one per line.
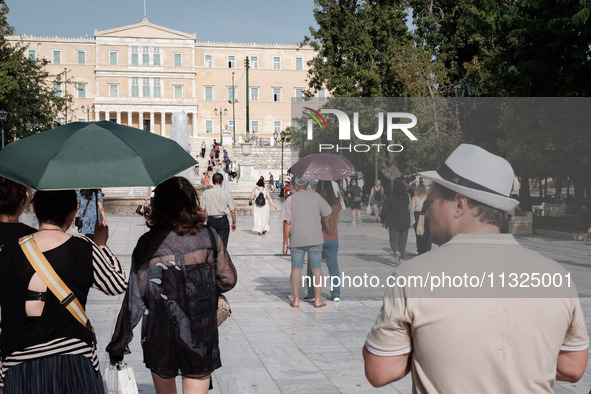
point(217, 201)
point(478, 344)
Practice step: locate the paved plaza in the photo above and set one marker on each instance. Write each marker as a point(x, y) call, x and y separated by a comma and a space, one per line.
point(268, 347)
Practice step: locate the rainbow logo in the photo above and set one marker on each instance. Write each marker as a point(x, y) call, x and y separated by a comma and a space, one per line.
point(317, 117)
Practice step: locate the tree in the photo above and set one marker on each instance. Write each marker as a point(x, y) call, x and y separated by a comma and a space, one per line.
point(26, 90)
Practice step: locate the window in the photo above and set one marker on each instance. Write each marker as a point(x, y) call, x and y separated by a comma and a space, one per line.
point(299, 63)
point(145, 56)
point(178, 60)
point(208, 61)
point(254, 62)
point(156, 57)
point(81, 90)
point(231, 94)
point(209, 126)
point(254, 126)
point(277, 126)
point(254, 94)
point(57, 89)
point(276, 94)
point(157, 88)
point(57, 57)
point(299, 95)
point(208, 94)
point(135, 87)
point(32, 54)
point(113, 58)
point(113, 90)
point(146, 87)
point(178, 92)
point(134, 56)
point(231, 61)
point(276, 63)
point(322, 95)
point(81, 57)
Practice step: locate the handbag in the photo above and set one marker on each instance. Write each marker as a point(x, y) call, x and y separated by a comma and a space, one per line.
point(224, 310)
point(120, 379)
point(54, 283)
point(421, 225)
point(368, 209)
point(140, 210)
point(79, 221)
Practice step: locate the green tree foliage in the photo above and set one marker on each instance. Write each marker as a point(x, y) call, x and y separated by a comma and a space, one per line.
point(26, 90)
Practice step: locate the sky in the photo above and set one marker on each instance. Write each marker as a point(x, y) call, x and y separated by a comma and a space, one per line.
point(260, 21)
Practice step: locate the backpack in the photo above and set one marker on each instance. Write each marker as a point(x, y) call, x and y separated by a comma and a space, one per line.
point(260, 200)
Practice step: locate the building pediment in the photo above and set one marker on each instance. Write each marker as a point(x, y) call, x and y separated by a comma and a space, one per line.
point(145, 29)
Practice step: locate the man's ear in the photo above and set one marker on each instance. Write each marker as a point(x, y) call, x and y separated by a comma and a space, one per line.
point(460, 205)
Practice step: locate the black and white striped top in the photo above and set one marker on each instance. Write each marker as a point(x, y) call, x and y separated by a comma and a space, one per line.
point(109, 278)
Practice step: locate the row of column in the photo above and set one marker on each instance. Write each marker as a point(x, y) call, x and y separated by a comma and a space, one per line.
point(152, 115)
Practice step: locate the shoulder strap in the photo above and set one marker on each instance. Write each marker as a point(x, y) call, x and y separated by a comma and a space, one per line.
point(65, 296)
point(213, 244)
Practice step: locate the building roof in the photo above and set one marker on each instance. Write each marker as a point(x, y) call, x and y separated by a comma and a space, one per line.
point(145, 29)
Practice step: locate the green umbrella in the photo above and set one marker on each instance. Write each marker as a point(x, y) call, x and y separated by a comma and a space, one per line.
point(93, 155)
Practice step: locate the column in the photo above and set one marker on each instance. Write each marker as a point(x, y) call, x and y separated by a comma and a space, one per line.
point(152, 130)
point(118, 117)
point(97, 116)
point(141, 121)
point(129, 118)
point(162, 123)
point(194, 123)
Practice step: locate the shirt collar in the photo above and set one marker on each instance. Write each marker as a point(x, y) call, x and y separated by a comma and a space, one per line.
point(488, 239)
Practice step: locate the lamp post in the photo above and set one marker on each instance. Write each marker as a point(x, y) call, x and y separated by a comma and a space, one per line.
point(220, 112)
point(247, 66)
point(88, 109)
point(233, 101)
point(3, 115)
point(276, 137)
point(462, 89)
point(377, 112)
point(66, 94)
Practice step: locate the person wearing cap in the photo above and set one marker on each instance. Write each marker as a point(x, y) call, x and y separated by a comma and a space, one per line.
point(216, 202)
point(287, 190)
point(494, 339)
point(302, 227)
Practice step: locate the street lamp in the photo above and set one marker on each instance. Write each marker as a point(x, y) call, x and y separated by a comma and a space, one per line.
point(220, 112)
point(66, 94)
point(3, 115)
point(377, 112)
point(467, 89)
point(88, 109)
point(233, 101)
point(276, 137)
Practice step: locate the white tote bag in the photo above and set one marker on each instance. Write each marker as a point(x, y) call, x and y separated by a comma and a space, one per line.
point(120, 379)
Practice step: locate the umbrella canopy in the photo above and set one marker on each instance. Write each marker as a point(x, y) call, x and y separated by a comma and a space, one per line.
point(84, 155)
point(323, 167)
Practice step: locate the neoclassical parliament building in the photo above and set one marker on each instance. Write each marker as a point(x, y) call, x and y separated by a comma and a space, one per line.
point(141, 74)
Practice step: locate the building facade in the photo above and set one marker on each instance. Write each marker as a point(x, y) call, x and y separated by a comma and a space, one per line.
point(141, 74)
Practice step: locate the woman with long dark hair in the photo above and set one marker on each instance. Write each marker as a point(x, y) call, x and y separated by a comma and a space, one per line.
point(45, 349)
point(395, 217)
point(174, 277)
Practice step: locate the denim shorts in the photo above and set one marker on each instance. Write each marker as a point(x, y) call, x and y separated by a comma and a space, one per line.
point(314, 256)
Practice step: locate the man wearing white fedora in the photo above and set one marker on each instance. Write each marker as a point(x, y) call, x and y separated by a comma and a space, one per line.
point(458, 336)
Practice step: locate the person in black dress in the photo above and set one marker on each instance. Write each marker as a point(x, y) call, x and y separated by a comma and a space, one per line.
point(174, 278)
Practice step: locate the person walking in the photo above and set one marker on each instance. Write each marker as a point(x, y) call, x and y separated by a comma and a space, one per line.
point(45, 348)
point(302, 228)
point(174, 276)
point(418, 201)
point(376, 199)
point(328, 190)
point(395, 218)
point(203, 148)
point(470, 340)
point(261, 198)
point(216, 202)
point(354, 195)
point(87, 205)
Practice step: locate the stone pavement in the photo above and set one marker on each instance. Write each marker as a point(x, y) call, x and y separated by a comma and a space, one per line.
point(268, 347)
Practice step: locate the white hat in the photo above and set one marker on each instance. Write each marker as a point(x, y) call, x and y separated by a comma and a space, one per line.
point(479, 175)
point(300, 181)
